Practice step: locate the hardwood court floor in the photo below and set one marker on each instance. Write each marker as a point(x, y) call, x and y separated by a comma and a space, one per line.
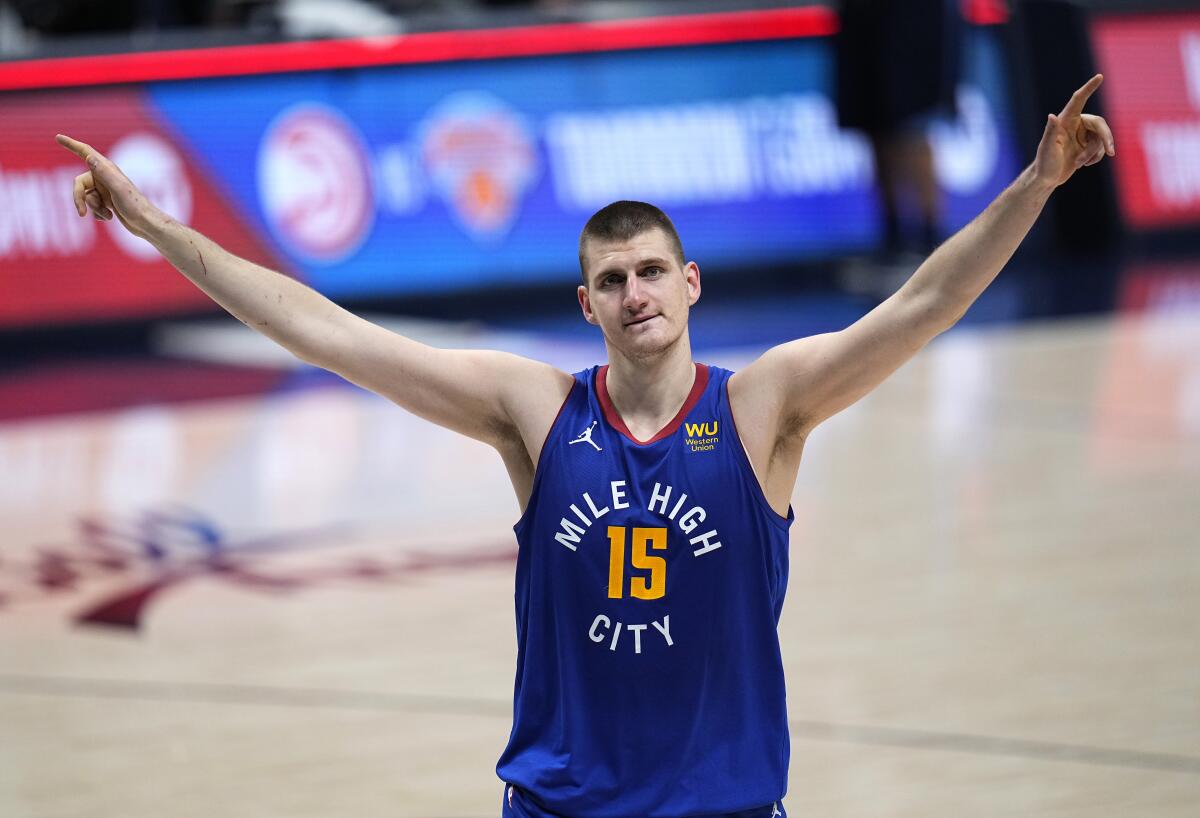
point(302, 605)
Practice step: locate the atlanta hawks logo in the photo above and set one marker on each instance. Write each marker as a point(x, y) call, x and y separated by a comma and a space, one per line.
point(586, 437)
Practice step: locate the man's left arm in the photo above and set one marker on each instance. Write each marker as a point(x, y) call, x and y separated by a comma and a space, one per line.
point(811, 379)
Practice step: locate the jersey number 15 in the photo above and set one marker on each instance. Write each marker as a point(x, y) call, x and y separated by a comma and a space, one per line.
point(639, 587)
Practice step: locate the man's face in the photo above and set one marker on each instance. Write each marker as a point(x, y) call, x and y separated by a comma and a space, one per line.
point(638, 294)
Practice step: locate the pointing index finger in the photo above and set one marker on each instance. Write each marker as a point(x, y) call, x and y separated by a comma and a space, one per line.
point(81, 149)
point(1074, 106)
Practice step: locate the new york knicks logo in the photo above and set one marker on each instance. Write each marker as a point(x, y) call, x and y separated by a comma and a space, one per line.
point(480, 156)
point(701, 437)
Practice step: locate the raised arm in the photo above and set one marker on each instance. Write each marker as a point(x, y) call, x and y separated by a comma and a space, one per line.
point(494, 397)
point(796, 385)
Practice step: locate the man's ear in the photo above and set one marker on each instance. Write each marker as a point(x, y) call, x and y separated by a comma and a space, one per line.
point(585, 304)
point(691, 274)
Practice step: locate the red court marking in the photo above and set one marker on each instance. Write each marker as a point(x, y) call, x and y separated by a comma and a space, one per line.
point(442, 46)
point(41, 390)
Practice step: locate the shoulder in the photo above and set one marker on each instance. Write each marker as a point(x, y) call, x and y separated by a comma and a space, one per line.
point(758, 400)
point(533, 386)
point(756, 390)
point(535, 395)
point(772, 439)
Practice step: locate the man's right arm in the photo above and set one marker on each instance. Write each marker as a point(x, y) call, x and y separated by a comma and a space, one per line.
point(491, 396)
point(478, 393)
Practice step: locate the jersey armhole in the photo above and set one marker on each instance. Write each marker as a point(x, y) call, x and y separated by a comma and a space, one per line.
point(748, 471)
point(537, 468)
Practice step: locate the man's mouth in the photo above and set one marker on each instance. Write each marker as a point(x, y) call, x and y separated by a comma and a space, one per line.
point(640, 320)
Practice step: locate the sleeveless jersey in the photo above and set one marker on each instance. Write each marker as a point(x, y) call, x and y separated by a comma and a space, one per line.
point(649, 583)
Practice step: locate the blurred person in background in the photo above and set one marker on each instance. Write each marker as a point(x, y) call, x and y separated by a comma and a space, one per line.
point(897, 67)
point(655, 491)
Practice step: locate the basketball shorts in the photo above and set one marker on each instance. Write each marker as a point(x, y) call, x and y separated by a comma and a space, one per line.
point(515, 803)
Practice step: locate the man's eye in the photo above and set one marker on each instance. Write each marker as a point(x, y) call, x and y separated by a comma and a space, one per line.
point(654, 271)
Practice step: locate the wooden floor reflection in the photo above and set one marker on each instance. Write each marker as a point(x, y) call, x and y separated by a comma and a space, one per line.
point(301, 605)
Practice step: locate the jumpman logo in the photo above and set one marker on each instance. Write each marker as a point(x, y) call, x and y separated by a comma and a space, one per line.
point(775, 810)
point(586, 437)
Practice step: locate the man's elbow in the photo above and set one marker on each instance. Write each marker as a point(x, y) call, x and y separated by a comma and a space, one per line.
point(932, 311)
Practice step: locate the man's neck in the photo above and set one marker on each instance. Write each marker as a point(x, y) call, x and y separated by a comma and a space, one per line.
point(649, 391)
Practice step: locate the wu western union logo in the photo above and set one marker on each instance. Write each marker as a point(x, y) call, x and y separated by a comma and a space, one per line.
point(701, 437)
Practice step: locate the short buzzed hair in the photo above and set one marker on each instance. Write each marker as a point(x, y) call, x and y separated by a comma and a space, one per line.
point(621, 221)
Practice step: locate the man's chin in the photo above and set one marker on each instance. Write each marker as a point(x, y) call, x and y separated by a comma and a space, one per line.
point(649, 345)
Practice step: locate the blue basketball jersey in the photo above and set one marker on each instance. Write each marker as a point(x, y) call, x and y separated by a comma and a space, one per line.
point(649, 583)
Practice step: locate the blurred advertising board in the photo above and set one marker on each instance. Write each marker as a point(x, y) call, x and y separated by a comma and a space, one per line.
point(1151, 65)
point(431, 172)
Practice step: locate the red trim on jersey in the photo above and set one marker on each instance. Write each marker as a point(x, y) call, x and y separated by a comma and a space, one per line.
point(438, 46)
point(537, 467)
point(751, 475)
point(614, 419)
point(553, 423)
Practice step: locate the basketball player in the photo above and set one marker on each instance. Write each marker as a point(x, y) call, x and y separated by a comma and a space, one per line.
point(654, 490)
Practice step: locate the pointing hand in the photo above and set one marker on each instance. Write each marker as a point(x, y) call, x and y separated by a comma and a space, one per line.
point(106, 191)
point(1073, 139)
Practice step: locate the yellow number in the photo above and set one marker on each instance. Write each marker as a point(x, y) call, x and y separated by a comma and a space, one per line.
point(639, 587)
point(657, 586)
point(616, 561)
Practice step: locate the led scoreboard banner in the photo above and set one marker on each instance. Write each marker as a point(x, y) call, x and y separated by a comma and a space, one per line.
point(437, 162)
point(1151, 65)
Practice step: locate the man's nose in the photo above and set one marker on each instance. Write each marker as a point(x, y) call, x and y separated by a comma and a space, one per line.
point(633, 292)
